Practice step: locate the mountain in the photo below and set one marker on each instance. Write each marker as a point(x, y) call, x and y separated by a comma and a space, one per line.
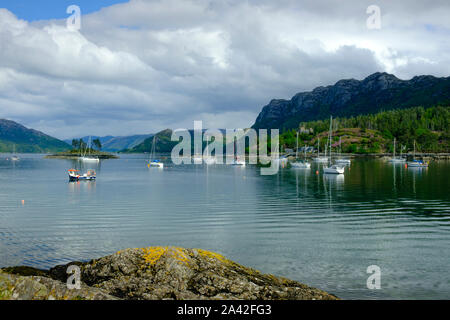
point(163, 143)
point(27, 140)
point(115, 144)
point(377, 92)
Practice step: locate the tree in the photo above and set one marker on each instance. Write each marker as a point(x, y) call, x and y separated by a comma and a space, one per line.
point(97, 144)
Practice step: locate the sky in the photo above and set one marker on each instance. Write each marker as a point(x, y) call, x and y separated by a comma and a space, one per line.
point(141, 66)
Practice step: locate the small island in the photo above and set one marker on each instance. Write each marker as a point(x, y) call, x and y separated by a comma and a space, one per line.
point(82, 149)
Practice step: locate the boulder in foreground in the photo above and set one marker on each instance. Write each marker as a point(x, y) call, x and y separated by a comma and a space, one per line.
point(156, 273)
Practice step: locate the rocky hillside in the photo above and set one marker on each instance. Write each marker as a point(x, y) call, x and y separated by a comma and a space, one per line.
point(380, 91)
point(27, 140)
point(155, 273)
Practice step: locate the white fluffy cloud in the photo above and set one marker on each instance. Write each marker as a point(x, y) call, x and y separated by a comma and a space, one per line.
point(145, 65)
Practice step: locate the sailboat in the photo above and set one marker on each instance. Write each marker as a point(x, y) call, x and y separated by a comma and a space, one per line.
point(333, 168)
point(300, 164)
point(397, 160)
point(152, 162)
point(88, 157)
point(341, 160)
point(238, 161)
point(209, 159)
point(14, 157)
point(319, 158)
point(416, 163)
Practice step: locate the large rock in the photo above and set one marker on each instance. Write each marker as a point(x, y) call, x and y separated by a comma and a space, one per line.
point(155, 273)
point(177, 273)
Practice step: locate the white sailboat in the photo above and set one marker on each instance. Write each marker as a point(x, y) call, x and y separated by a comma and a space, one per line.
point(319, 158)
point(87, 157)
point(397, 160)
point(153, 162)
point(300, 164)
point(341, 160)
point(14, 157)
point(209, 159)
point(416, 163)
point(333, 168)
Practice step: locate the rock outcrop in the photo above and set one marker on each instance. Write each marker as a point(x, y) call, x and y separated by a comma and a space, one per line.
point(155, 273)
point(377, 92)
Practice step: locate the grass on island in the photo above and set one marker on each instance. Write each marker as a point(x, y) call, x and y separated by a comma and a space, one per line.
point(72, 154)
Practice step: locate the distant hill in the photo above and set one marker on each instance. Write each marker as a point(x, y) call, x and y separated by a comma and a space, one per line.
point(115, 144)
point(27, 140)
point(163, 143)
point(346, 98)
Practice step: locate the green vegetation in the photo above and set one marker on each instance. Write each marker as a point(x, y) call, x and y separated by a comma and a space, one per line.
point(24, 140)
point(374, 133)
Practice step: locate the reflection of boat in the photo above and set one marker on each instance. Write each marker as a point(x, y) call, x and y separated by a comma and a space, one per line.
point(397, 160)
point(154, 162)
point(338, 178)
point(75, 176)
point(417, 163)
point(300, 164)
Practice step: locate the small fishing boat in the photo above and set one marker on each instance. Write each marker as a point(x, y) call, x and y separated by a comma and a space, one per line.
point(74, 175)
point(155, 163)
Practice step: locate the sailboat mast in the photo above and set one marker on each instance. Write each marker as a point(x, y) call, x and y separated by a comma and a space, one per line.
point(329, 134)
point(394, 148)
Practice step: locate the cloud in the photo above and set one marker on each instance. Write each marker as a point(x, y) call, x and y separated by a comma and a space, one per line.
point(145, 65)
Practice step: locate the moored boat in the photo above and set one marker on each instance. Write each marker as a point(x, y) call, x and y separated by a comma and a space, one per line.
point(74, 175)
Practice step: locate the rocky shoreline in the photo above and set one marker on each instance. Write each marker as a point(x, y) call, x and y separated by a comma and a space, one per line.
point(154, 273)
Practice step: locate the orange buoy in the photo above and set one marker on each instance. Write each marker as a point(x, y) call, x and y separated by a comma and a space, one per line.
point(23, 202)
point(317, 171)
point(406, 165)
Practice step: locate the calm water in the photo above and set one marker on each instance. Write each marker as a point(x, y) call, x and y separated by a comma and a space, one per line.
point(323, 231)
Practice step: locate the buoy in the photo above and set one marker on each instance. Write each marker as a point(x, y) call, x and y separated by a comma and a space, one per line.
point(317, 171)
point(406, 165)
point(23, 202)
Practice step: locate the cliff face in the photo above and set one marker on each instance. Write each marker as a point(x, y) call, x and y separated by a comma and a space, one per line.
point(380, 91)
point(171, 273)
